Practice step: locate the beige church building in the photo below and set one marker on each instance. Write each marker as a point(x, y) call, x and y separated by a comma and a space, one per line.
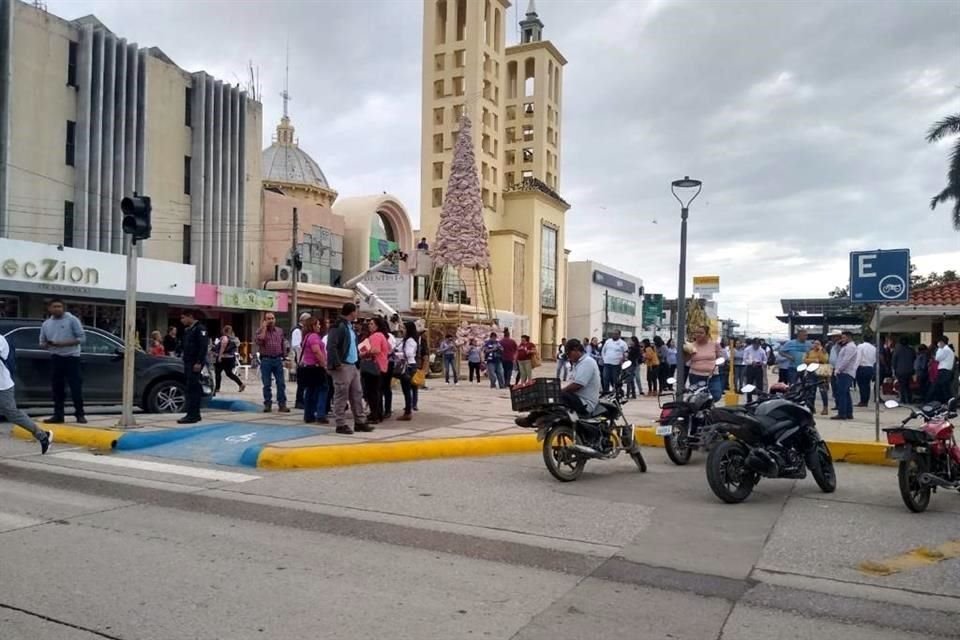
point(513, 96)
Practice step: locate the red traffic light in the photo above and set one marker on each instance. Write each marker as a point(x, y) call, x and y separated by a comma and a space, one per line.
point(136, 216)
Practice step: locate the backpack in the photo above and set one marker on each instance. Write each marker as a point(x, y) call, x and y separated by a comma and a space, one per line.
point(10, 362)
point(771, 357)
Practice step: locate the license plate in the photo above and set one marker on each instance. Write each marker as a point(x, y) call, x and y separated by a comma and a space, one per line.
point(665, 430)
point(898, 453)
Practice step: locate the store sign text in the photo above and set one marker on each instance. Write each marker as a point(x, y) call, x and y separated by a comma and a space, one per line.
point(50, 270)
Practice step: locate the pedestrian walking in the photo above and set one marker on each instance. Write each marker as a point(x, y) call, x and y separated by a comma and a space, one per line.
point(273, 350)
point(614, 354)
point(62, 334)
point(562, 360)
point(818, 355)
point(867, 354)
point(508, 355)
point(526, 353)
point(8, 399)
point(492, 353)
point(409, 349)
point(343, 359)
point(312, 371)
point(702, 362)
point(156, 344)
point(448, 351)
point(834, 353)
point(671, 361)
point(296, 341)
point(474, 360)
point(846, 372)
point(195, 347)
point(226, 353)
point(652, 360)
point(902, 363)
point(738, 367)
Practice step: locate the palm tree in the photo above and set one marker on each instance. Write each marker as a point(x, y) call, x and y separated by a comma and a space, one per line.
point(946, 127)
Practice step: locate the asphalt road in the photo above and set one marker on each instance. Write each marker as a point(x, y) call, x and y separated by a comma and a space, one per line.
point(489, 548)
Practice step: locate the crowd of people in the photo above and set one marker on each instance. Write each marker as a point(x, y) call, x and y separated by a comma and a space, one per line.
point(659, 360)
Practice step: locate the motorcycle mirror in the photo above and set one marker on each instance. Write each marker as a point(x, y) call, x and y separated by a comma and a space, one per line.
point(891, 404)
point(626, 365)
point(801, 368)
point(719, 361)
point(813, 366)
point(671, 381)
point(748, 388)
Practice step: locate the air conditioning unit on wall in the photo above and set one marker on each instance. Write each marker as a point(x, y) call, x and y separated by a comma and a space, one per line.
point(282, 272)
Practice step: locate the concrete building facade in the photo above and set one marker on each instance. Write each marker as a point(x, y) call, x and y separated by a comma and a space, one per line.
point(513, 97)
point(602, 300)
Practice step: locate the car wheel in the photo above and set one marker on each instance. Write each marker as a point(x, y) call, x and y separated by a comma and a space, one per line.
point(167, 396)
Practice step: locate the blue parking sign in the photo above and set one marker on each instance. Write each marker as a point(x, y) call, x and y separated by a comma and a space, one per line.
point(880, 275)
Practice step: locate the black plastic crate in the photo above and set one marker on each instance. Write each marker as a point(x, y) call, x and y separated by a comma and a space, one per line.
point(536, 393)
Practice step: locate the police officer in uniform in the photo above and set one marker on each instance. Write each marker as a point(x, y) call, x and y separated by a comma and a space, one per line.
point(195, 346)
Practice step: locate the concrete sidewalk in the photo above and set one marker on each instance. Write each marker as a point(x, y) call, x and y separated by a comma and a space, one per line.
point(468, 419)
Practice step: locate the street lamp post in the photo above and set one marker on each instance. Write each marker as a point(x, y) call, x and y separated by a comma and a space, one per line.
point(689, 184)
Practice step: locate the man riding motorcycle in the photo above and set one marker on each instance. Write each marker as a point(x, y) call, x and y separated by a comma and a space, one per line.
point(582, 392)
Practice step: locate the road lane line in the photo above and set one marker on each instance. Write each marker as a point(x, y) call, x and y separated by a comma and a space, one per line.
point(157, 467)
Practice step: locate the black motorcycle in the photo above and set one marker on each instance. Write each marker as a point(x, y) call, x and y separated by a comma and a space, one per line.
point(773, 437)
point(570, 439)
point(685, 424)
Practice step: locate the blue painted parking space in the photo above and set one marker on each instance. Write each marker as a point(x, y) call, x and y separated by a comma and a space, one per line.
point(230, 443)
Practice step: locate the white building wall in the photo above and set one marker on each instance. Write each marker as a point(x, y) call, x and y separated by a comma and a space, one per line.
point(586, 300)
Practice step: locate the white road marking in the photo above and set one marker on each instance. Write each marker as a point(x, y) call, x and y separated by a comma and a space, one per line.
point(158, 467)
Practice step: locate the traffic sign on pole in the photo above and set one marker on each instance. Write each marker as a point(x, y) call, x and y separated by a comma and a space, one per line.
point(880, 276)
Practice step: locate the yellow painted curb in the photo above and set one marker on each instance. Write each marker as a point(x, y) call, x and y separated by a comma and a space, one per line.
point(405, 451)
point(104, 439)
point(842, 450)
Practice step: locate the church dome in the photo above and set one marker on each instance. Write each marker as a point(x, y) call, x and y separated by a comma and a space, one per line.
point(285, 163)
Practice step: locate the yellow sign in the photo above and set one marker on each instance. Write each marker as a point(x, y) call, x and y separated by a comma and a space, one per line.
point(706, 286)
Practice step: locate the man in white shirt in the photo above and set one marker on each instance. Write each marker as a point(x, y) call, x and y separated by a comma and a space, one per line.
point(865, 369)
point(8, 401)
point(754, 362)
point(613, 354)
point(845, 371)
point(946, 361)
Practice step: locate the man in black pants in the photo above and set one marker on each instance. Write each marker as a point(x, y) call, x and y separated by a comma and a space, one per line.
point(195, 346)
point(62, 334)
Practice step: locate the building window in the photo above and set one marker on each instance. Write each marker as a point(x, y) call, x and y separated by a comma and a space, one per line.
point(526, 174)
point(186, 244)
point(459, 86)
point(528, 109)
point(485, 196)
point(437, 197)
point(510, 157)
point(67, 223)
point(438, 171)
point(527, 132)
point(621, 306)
point(186, 174)
point(459, 110)
point(460, 58)
point(70, 148)
point(438, 115)
point(528, 155)
point(511, 135)
point(438, 89)
point(72, 50)
point(508, 178)
point(187, 104)
point(438, 143)
point(511, 113)
point(548, 267)
point(438, 62)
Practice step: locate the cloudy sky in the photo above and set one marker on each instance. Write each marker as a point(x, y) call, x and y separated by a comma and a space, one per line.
point(805, 120)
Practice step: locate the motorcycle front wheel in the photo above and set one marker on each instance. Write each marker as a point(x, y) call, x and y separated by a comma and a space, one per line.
point(676, 445)
point(563, 461)
point(916, 497)
point(727, 474)
point(820, 463)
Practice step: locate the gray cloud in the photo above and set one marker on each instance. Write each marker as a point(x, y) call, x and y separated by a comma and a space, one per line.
point(805, 120)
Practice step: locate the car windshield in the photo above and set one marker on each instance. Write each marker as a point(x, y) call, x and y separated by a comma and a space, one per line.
point(99, 344)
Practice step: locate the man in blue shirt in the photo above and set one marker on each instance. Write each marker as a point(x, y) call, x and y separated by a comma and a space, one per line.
point(62, 334)
point(493, 352)
point(792, 353)
point(343, 361)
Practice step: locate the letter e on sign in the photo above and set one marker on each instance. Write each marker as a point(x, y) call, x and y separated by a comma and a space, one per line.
point(865, 265)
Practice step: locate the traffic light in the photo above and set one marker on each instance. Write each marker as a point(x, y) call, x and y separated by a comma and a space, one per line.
point(136, 216)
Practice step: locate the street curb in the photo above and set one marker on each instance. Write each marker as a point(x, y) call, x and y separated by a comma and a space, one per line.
point(92, 438)
point(851, 451)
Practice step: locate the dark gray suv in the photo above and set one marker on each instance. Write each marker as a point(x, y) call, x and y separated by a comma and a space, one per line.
point(159, 384)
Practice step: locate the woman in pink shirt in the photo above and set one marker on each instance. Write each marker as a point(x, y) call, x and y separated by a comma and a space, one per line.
point(374, 352)
point(313, 360)
point(702, 362)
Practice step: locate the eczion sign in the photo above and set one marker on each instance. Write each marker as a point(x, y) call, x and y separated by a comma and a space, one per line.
point(880, 276)
point(50, 270)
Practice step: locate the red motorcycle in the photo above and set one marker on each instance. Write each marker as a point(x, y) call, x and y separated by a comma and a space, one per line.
point(929, 456)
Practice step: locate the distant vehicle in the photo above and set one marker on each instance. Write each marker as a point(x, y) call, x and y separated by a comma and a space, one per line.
point(159, 382)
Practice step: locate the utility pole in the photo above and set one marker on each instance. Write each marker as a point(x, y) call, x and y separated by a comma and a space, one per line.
point(294, 269)
point(606, 313)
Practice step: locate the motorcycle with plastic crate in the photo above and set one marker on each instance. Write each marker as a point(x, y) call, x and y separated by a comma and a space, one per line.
point(929, 457)
point(685, 423)
point(569, 439)
point(773, 437)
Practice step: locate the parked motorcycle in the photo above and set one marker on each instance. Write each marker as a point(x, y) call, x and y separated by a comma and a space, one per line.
point(685, 423)
point(929, 456)
point(569, 439)
point(772, 437)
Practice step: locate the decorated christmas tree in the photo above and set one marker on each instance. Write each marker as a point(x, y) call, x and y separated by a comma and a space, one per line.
point(462, 235)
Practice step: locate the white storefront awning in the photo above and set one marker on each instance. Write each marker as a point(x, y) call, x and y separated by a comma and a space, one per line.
point(915, 318)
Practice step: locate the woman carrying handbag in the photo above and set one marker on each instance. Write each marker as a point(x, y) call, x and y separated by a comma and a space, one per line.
point(409, 349)
point(312, 367)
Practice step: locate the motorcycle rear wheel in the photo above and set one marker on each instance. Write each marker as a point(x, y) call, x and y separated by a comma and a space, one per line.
point(820, 463)
point(916, 498)
point(727, 474)
point(562, 461)
point(676, 446)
